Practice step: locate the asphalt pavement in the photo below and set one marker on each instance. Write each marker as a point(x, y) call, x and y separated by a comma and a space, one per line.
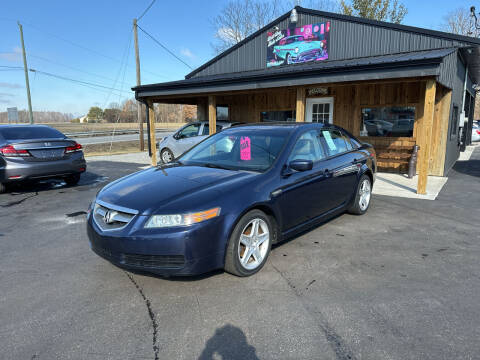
point(401, 282)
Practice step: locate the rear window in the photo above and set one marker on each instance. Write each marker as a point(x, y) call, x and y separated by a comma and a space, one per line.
point(28, 132)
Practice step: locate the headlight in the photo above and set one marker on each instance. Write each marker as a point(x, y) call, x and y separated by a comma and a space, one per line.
point(160, 221)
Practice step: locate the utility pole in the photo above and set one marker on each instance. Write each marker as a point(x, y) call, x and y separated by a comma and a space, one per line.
point(137, 61)
point(27, 83)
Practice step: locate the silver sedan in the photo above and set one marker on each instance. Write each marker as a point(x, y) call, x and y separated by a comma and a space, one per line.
point(174, 145)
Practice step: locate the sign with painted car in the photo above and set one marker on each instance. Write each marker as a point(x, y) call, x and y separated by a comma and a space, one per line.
point(298, 45)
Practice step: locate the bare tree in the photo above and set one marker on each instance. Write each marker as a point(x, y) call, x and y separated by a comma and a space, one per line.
point(459, 21)
point(240, 18)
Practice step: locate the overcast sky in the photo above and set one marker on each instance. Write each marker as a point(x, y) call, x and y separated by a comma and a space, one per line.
point(91, 40)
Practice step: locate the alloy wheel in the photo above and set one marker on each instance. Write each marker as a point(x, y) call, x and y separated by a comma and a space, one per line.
point(166, 156)
point(365, 193)
point(254, 244)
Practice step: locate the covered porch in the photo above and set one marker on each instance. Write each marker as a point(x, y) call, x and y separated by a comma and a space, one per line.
point(406, 91)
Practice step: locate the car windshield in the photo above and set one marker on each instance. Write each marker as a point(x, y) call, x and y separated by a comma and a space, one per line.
point(28, 132)
point(246, 149)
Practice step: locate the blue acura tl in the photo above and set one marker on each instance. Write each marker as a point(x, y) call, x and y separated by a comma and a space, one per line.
point(223, 203)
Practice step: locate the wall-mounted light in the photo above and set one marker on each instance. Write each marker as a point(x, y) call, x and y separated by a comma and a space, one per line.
point(293, 16)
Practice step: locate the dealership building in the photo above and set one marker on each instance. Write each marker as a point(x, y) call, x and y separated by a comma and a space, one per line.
point(391, 85)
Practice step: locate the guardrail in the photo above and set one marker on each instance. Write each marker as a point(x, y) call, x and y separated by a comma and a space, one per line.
point(109, 132)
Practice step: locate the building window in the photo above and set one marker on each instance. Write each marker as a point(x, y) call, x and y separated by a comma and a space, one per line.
point(288, 115)
point(454, 125)
point(222, 113)
point(393, 121)
point(321, 113)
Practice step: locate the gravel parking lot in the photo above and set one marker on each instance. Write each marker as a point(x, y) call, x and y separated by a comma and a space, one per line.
point(401, 282)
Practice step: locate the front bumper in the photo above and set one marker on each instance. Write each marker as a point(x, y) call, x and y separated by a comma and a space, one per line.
point(17, 169)
point(174, 251)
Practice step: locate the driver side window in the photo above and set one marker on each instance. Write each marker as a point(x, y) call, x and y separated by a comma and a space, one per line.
point(189, 131)
point(307, 147)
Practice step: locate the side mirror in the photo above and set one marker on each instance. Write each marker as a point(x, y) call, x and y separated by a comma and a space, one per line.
point(301, 165)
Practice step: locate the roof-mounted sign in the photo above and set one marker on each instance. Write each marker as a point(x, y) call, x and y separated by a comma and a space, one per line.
point(298, 45)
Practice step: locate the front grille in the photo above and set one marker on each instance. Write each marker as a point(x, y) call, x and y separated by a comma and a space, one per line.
point(143, 261)
point(110, 217)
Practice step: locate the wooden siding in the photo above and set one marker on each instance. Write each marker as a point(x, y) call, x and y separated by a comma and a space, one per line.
point(349, 99)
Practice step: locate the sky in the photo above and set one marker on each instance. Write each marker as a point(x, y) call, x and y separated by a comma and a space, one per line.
point(92, 41)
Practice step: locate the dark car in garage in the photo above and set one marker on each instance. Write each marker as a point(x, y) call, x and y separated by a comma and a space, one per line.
point(34, 152)
point(224, 203)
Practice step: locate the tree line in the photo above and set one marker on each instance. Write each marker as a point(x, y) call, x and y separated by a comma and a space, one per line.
point(39, 116)
point(126, 112)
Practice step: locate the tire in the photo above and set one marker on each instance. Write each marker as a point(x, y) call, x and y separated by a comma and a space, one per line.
point(286, 61)
point(363, 196)
point(236, 261)
point(3, 188)
point(166, 156)
point(72, 179)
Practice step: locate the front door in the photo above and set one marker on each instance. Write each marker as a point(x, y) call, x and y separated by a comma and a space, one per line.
point(320, 110)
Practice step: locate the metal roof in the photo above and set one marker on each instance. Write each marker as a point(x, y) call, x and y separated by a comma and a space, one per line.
point(469, 41)
point(411, 64)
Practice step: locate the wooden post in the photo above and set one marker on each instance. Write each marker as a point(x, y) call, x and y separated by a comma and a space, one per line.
point(212, 114)
point(153, 139)
point(424, 135)
point(300, 108)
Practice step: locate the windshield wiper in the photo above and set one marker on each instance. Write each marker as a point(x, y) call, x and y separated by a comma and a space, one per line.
point(215, 166)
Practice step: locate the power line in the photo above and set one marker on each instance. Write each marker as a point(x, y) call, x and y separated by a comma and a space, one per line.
point(77, 81)
point(11, 67)
point(164, 47)
point(84, 47)
point(148, 8)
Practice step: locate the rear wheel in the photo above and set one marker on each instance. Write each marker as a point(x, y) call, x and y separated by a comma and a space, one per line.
point(3, 188)
point(249, 244)
point(166, 155)
point(362, 197)
point(72, 179)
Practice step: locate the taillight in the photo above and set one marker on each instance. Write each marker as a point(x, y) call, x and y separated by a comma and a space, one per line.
point(71, 149)
point(10, 151)
point(478, 132)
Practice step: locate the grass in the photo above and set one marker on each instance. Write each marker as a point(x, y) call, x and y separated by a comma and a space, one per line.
point(120, 147)
point(76, 127)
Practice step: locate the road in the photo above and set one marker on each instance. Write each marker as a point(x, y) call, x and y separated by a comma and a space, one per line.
point(116, 138)
point(401, 282)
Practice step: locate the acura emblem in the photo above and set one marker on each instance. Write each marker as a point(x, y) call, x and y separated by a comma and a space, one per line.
point(48, 144)
point(108, 218)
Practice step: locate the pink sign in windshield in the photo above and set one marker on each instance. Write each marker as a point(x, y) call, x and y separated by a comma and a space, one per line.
point(245, 148)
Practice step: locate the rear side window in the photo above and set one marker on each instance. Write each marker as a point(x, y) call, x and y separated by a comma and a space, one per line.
point(334, 142)
point(28, 132)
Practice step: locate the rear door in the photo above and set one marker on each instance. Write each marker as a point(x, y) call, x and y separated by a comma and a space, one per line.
point(341, 165)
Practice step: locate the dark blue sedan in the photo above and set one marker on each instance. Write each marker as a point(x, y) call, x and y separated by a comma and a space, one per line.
point(225, 202)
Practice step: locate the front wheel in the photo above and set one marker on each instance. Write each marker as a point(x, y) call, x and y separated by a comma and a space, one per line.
point(249, 244)
point(166, 155)
point(362, 196)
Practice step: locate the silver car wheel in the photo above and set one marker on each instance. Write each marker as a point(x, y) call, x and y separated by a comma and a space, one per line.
point(365, 193)
point(254, 244)
point(166, 156)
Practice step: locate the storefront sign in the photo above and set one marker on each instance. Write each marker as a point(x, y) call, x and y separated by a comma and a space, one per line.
point(318, 91)
point(298, 45)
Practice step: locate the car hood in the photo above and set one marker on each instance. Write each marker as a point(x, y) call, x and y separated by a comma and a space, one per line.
point(171, 188)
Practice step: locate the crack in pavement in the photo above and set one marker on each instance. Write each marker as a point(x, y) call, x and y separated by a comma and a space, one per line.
point(18, 202)
point(150, 314)
point(336, 342)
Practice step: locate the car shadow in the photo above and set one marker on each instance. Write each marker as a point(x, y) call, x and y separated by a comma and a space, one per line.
point(178, 278)
point(228, 342)
point(470, 167)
